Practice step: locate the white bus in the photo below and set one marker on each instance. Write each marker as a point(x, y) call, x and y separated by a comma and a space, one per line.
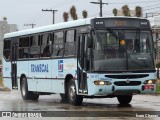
point(88, 58)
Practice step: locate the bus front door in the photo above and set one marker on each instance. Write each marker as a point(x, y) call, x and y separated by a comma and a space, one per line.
point(14, 65)
point(82, 65)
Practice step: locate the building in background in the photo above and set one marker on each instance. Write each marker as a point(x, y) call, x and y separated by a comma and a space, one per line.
point(5, 28)
point(155, 24)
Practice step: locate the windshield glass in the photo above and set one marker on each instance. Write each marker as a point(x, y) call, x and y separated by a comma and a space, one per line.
point(122, 50)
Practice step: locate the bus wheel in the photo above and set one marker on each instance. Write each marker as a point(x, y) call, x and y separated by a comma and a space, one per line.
point(124, 99)
point(64, 98)
point(73, 98)
point(27, 95)
point(33, 96)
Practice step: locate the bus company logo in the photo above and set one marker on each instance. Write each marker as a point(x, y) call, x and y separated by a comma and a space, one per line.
point(128, 81)
point(60, 65)
point(39, 68)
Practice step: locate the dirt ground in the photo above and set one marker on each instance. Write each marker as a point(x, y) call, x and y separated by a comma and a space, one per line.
point(158, 81)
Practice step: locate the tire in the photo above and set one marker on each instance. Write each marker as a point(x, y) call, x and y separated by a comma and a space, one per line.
point(124, 99)
point(27, 95)
point(73, 98)
point(64, 98)
point(33, 96)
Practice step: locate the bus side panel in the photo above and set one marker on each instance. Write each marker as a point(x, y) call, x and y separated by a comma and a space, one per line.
point(40, 74)
point(62, 68)
point(22, 69)
point(7, 74)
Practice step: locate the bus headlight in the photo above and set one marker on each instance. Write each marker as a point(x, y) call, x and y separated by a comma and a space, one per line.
point(102, 82)
point(149, 82)
point(99, 82)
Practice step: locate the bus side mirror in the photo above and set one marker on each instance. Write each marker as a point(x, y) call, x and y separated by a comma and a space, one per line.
point(89, 42)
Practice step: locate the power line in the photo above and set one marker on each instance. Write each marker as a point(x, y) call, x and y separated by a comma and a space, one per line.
point(151, 8)
point(30, 25)
point(152, 14)
point(100, 3)
point(150, 5)
point(53, 12)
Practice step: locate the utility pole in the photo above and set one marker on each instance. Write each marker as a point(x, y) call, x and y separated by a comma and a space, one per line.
point(30, 25)
point(100, 3)
point(53, 11)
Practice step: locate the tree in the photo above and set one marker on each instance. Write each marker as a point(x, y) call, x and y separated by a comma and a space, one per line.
point(84, 13)
point(73, 13)
point(5, 18)
point(115, 11)
point(126, 10)
point(138, 10)
point(65, 16)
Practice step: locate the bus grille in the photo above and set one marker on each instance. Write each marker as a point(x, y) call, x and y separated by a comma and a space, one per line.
point(124, 83)
point(134, 76)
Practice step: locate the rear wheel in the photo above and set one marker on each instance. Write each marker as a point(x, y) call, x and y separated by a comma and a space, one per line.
point(124, 99)
point(27, 95)
point(73, 98)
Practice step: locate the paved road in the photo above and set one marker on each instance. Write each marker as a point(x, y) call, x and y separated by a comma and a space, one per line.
point(12, 101)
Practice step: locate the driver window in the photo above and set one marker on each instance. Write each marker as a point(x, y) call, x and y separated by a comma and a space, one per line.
point(144, 43)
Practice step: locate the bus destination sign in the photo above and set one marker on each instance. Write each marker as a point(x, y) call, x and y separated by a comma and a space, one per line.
point(120, 22)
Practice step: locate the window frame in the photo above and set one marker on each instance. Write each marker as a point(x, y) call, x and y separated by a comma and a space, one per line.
point(5, 40)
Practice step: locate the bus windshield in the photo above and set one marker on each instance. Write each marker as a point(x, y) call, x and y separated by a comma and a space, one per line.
point(122, 50)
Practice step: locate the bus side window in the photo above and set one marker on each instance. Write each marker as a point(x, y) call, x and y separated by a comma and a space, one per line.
point(7, 49)
point(35, 46)
point(58, 47)
point(23, 48)
point(46, 45)
point(70, 43)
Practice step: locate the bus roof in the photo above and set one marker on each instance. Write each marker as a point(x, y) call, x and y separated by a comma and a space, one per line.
point(57, 26)
point(49, 28)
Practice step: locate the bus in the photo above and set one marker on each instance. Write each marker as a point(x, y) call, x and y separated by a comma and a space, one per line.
point(101, 57)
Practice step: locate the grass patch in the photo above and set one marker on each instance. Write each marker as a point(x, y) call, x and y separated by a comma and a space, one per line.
point(1, 81)
point(158, 87)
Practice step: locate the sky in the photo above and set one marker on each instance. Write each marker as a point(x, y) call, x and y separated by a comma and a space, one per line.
point(22, 12)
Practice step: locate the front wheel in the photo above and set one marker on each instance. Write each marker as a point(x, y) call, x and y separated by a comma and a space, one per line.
point(27, 95)
point(64, 98)
point(72, 94)
point(124, 99)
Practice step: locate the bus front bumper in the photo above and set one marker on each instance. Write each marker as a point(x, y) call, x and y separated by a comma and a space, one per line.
point(124, 90)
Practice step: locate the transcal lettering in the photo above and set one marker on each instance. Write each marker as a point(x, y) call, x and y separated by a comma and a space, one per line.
point(39, 68)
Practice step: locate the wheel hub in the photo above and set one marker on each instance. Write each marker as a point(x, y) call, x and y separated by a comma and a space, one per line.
point(72, 92)
point(23, 89)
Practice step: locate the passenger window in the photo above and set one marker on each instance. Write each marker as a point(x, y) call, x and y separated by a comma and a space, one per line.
point(58, 47)
point(70, 43)
point(46, 45)
point(23, 48)
point(7, 49)
point(35, 46)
